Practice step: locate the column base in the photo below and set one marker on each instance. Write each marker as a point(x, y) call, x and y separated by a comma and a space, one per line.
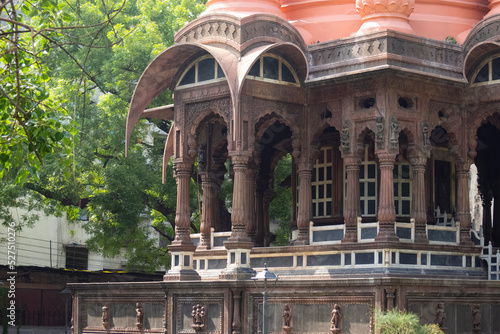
point(237, 273)
point(182, 264)
point(182, 275)
point(302, 238)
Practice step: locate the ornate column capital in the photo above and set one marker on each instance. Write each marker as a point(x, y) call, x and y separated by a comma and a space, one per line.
point(239, 159)
point(494, 8)
point(385, 14)
point(386, 158)
point(418, 162)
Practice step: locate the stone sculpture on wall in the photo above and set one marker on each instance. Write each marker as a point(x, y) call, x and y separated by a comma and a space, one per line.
point(199, 317)
point(336, 320)
point(394, 133)
point(380, 133)
point(440, 315)
point(105, 317)
point(139, 316)
point(425, 135)
point(476, 318)
point(345, 137)
point(287, 318)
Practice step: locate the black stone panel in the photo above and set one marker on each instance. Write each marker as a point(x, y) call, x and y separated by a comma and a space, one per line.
point(323, 260)
point(368, 233)
point(446, 260)
point(259, 262)
point(407, 258)
point(217, 264)
point(403, 233)
point(365, 258)
point(444, 236)
point(328, 235)
point(219, 241)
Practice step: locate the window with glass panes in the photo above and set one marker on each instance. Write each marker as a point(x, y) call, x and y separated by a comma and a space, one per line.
point(321, 183)
point(402, 189)
point(368, 186)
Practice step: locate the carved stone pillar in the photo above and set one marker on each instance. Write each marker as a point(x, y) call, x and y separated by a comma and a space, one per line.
point(386, 210)
point(236, 312)
point(250, 186)
point(486, 199)
point(239, 244)
point(182, 214)
point(259, 213)
point(239, 215)
point(385, 14)
point(352, 205)
point(182, 248)
point(305, 203)
point(463, 209)
point(210, 200)
point(418, 212)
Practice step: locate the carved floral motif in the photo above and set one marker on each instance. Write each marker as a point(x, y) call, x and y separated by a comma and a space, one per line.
point(368, 7)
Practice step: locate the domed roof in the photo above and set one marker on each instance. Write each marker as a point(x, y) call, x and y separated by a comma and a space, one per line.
point(325, 20)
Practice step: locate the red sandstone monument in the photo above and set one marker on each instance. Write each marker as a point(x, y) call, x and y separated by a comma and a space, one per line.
point(384, 107)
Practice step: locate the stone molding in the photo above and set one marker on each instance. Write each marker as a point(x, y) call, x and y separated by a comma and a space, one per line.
point(239, 33)
point(385, 49)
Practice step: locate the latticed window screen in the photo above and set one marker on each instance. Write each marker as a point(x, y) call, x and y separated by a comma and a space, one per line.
point(368, 188)
point(402, 189)
point(321, 183)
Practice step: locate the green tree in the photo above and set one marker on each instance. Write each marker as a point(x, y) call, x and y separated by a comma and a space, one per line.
point(92, 54)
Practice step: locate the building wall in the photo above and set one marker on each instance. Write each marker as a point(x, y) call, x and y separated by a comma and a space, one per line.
point(43, 245)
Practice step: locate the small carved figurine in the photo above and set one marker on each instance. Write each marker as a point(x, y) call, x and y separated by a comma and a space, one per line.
point(440, 315)
point(287, 318)
point(202, 156)
point(394, 132)
point(476, 318)
point(380, 132)
point(139, 316)
point(199, 316)
point(425, 134)
point(105, 317)
point(344, 139)
point(336, 319)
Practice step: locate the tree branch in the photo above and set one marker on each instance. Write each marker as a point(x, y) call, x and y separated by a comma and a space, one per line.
point(81, 203)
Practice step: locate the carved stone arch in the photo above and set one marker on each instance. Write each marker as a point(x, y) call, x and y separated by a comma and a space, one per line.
point(410, 137)
point(204, 116)
point(159, 75)
point(268, 119)
point(476, 120)
point(360, 139)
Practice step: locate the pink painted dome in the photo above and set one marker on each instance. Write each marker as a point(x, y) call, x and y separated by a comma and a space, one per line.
point(326, 20)
point(244, 8)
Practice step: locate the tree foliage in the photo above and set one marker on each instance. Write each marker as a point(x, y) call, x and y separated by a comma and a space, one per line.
point(402, 322)
point(68, 70)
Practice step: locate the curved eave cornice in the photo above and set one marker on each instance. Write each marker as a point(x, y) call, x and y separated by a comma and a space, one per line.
point(485, 30)
point(479, 52)
point(160, 72)
point(240, 33)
